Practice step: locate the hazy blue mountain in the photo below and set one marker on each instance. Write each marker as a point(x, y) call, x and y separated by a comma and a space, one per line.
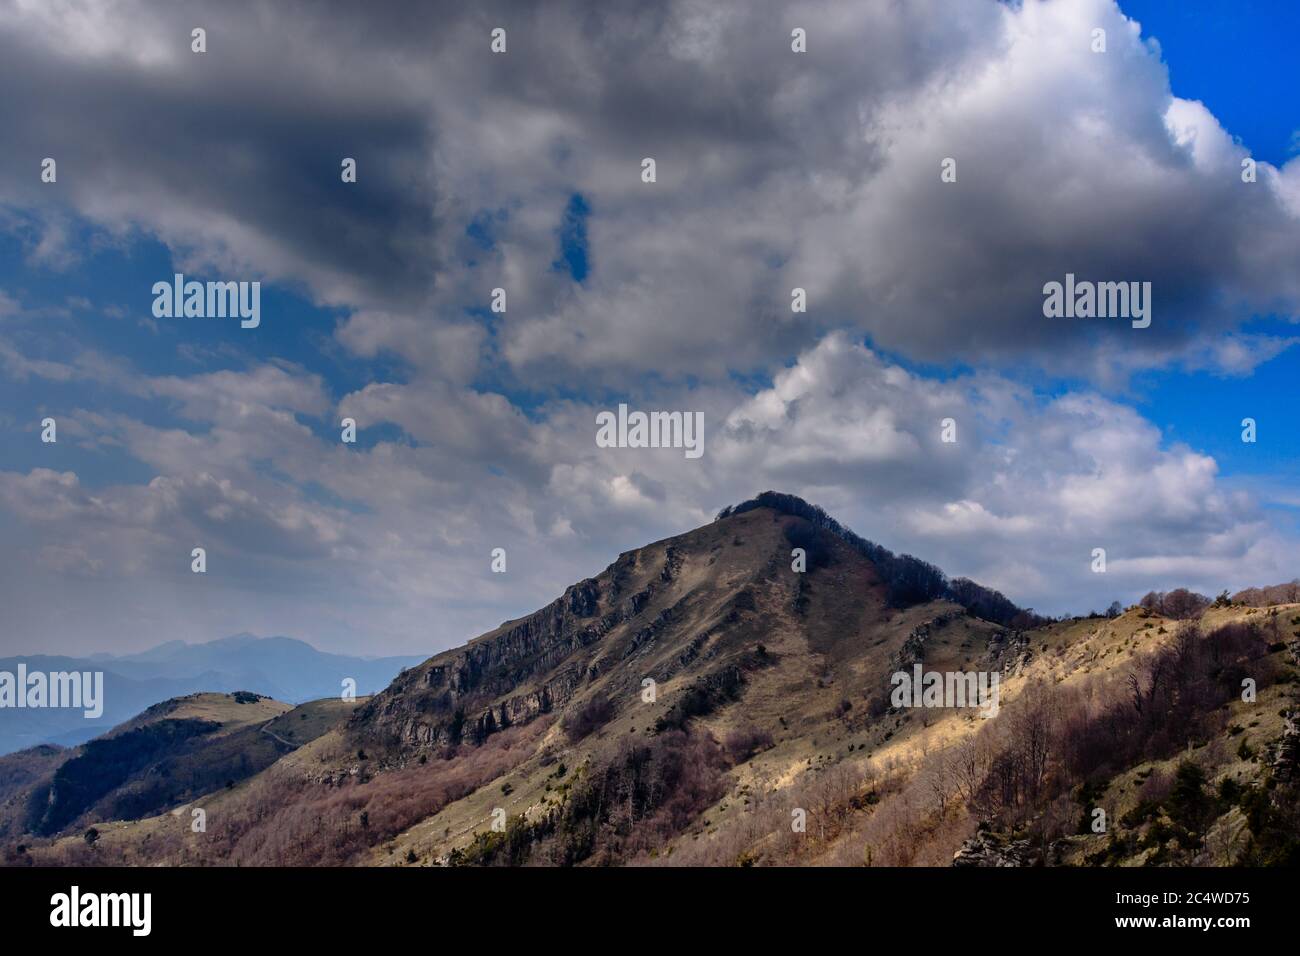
point(279, 667)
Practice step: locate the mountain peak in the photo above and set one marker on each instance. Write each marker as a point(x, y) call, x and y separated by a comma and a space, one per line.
point(910, 580)
point(694, 607)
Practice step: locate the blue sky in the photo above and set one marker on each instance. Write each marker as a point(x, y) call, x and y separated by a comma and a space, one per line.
point(775, 171)
point(1237, 57)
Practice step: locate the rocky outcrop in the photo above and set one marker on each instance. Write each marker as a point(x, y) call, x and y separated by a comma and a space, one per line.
point(1285, 758)
point(583, 598)
point(531, 666)
point(450, 698)
point(987, 848)
point(912, 650)
point(663, 621)
point(1009, 652)
point(673, 559)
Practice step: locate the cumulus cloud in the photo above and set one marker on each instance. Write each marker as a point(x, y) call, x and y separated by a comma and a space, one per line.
point(775, 171)
point(394, 537)
point(1031, 480)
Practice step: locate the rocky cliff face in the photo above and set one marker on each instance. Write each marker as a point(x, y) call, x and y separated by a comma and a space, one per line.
point(1009, 653)
point(608, 630)
point(990, 849)
point(506, 677)
point(1286, 750)
point(914, 646)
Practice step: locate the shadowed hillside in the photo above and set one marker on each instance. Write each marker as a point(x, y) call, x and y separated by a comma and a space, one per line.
point(176, 750)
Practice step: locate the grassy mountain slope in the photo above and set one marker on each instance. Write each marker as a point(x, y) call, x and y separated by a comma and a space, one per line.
point(700, 701)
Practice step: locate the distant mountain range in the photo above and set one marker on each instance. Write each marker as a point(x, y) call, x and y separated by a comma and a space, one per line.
point(280, 667)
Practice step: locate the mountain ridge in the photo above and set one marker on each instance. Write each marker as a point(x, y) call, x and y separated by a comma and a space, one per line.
point(682, 704)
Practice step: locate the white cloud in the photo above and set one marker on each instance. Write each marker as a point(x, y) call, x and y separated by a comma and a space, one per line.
point(394, 539)
point(776, 171)
point(818, 170)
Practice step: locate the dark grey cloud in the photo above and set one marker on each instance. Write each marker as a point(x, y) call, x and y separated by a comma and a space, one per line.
point(233, 156)
point(776, 170)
